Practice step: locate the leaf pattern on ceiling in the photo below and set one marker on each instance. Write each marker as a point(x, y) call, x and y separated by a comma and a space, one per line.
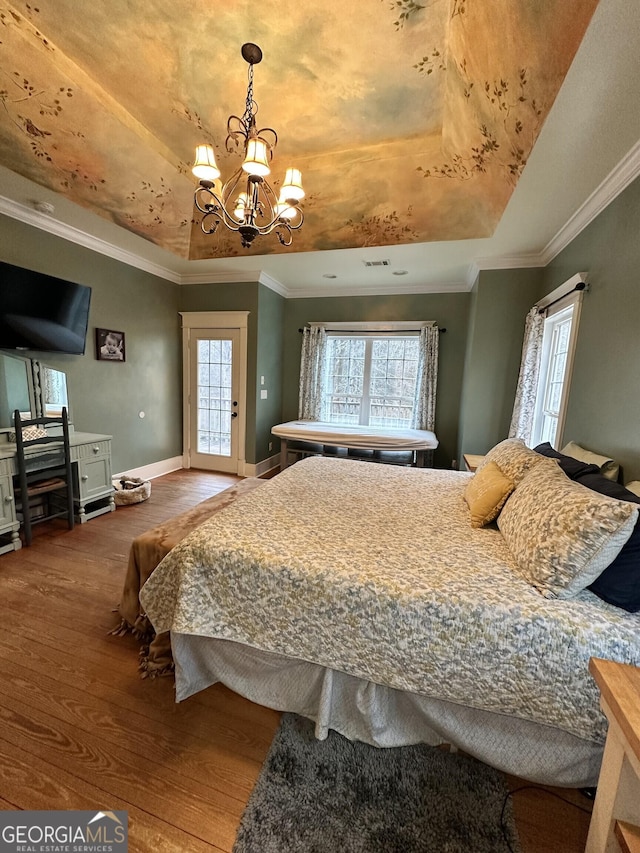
point(415, 128)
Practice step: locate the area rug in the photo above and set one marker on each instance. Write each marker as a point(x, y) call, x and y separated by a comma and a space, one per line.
point(337, 796)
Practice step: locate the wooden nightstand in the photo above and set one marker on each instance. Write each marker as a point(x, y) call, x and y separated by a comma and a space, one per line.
point(615, 821)
point(472, 460)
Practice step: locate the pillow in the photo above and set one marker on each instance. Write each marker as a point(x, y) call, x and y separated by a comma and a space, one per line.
point(608, 468)
point(634, 487)
point(601, 484)
point(619, 583)
point(513, 458)
point(572, 467)
point(486, 494)
point(29, 433)
point(562, 535)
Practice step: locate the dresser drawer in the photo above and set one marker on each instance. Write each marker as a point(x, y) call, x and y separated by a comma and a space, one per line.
point(91, 450)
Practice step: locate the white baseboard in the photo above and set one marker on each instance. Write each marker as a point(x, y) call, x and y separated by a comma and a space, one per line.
point(155, 469)
point(166, 466)
point(262, 467)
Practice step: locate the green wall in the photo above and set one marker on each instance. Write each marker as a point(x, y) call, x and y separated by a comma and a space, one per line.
point(499, 304)
point(449, 310)
point(269, 364)
point(106, 397)
point(604, 403)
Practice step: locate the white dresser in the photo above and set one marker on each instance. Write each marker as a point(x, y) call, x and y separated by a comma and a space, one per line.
point(92, 486)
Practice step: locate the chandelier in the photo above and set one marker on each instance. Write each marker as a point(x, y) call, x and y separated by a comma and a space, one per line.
point(246, 202)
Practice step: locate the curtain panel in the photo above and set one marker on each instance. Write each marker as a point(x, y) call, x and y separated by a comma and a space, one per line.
point(424, 410)
point(312, 373)
point(526, 390)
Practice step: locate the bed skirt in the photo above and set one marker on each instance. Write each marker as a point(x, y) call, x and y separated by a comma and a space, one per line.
point(383, 716)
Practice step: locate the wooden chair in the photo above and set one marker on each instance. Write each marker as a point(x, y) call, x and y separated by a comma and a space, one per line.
point(44, 488)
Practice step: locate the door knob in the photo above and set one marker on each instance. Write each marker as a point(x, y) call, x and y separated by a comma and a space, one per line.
point(234, 414)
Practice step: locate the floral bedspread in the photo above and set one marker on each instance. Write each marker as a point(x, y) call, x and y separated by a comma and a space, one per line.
point(375, 570)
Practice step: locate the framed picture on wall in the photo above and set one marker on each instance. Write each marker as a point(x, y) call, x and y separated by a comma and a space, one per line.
point(109, 345)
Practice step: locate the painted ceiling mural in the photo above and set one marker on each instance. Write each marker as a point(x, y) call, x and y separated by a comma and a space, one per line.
point(411, 121)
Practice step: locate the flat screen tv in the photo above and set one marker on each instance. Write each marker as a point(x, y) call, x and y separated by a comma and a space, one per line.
point(42, 313)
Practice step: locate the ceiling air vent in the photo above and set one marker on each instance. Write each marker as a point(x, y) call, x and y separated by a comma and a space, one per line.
point(386, 263)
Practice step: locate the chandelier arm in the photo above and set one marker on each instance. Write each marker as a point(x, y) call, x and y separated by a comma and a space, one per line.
point(214, 208)
point(274, 217)
point(271, 145)
point(236, 131)
point(285, 240)
point(230, 186)
point(221, 216)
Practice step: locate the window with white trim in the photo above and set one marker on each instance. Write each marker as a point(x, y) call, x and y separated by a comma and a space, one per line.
point(558, 347)
point(371, 380)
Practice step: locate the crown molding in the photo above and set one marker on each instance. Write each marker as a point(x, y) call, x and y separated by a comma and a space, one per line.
point(378, 290)
point(616, 181)
point(504, 262)
point(274, 284)
point(235, 277)
point(74, 235)
point(229, 277)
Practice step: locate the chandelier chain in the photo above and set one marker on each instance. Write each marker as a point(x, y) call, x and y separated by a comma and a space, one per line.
point(249, 111)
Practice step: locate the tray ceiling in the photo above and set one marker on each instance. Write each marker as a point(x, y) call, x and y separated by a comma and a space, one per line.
point(411, 122)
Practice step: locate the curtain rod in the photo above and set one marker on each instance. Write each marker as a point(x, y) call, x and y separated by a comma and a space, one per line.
point(581, 285)
point(355, 331)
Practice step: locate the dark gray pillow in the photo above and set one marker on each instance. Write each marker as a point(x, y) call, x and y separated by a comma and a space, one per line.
point(573, 468)
point(619, 584)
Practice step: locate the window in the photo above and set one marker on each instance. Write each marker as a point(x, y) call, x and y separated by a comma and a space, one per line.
point(558, 345)
point(371, 380)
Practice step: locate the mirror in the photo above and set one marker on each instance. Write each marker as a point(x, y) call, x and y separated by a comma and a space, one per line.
point(16, 389)
point(53, 390)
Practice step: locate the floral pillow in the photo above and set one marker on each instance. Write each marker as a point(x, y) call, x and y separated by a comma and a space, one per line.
point(513, 458)
point(562, 535)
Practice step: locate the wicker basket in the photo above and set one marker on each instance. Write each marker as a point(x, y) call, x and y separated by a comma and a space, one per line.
point(130, 490)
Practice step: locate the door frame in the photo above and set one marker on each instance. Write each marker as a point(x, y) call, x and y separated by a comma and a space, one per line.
point(214, 320)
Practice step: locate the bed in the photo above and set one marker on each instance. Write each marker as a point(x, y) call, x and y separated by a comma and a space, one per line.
point(146, 552)
point(360, 596)
point(381, 443)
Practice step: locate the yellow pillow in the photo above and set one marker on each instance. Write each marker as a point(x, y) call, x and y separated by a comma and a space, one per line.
point(487, 493)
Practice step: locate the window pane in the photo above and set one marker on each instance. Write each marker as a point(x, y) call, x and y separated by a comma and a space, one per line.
point(549, 428)
point(390, 365)
point(552, 380)
point(559, 364)
point(214, 396)
point(380, 348)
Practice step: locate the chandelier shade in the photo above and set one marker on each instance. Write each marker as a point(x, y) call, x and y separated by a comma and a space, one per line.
point(256, 162)
point(292, 187)
point(247, 203)
point(205, 166)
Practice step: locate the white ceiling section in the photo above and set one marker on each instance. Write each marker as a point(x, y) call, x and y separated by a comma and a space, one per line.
point(587, 152)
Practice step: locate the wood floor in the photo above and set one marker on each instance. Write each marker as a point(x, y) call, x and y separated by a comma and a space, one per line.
point(80, 730)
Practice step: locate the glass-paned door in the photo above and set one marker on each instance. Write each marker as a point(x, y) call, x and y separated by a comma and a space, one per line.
point(213, 399)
